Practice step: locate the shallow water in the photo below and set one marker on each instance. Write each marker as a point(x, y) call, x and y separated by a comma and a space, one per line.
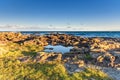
point(57, 48)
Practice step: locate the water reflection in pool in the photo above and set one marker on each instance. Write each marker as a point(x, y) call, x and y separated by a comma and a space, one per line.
point(57, 48)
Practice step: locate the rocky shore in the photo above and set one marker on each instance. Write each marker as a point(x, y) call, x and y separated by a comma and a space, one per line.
point(96, 51)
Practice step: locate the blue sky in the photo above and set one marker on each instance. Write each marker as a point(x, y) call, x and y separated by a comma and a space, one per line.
point(79, 13)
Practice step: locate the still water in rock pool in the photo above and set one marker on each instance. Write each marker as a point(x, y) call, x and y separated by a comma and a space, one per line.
point(57, 48)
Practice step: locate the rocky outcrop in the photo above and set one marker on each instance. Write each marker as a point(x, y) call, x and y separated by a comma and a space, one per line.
point(100, 51)
point(81, 50)
point(44, 57)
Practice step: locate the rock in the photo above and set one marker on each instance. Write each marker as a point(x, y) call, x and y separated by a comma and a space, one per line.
point(80, 50)
point(71, 67)
point(84, 45)
point(115, 53)
point(100, 59)
point(95, 55)
point(81, 63)
point(69, 54)
point(41, 57)
point(97, 50)
point(58, 57)
point(61, 37)
point(118, 68)
point(80, 69)
point(106, 60)
point(24, 59)
point(75, 43)
point(112, 72)
point(96, 40)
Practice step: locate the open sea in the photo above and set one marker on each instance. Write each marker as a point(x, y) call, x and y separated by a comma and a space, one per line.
point(112, 34)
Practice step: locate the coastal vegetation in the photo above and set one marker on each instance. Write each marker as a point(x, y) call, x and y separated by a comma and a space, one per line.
point(22, 57)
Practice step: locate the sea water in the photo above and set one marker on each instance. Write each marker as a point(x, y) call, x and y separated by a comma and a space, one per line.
point(111, 34)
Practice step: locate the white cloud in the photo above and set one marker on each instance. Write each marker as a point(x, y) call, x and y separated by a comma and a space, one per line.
point(57, 28)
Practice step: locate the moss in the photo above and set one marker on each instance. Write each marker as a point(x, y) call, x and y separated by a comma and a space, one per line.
point(13, 69)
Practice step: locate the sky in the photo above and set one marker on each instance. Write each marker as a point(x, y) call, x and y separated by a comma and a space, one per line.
point(88, 15)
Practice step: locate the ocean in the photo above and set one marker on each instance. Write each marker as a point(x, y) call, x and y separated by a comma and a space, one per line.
point(111, 34)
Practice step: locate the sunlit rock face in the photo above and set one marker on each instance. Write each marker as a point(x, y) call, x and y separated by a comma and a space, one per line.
point(103, 51)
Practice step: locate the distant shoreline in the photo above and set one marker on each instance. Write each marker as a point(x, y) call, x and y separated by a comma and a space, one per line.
point(90, 34)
